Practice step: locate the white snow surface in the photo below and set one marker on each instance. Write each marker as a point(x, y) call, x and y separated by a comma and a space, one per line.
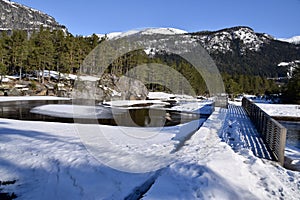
point(146, 31)
point(294, 40)
point(201, 107)
point(163, 31)
point(11, 3)
point(280, 110)
point(160, 95)
point(51, 161)
point(136, 103)
point(283, 64)
point(30, 98)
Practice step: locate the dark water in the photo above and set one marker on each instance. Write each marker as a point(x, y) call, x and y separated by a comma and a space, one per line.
point(293, 133)
point(143, 117)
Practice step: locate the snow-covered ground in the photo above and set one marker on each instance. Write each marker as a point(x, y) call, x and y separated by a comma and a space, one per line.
point(282, 110)
point(207, 168)
point(274, 110)
point(160, 95)
point(28, 98)
point(292, 152)
point(64, 161)
point(200, 107)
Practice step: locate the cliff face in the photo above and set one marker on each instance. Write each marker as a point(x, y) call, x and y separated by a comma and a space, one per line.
point(16, 16)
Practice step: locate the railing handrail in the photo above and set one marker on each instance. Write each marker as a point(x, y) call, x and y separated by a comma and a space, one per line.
point(273, 133)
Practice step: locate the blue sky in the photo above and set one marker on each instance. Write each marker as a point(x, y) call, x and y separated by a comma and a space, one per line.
point(280, 18)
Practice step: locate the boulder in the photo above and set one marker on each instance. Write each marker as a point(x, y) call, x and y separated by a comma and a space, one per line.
point(87, 89)
point(131, 89)
point(110, 87)
point(14, 92)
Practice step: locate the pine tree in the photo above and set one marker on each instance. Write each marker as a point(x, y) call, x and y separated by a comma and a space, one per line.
point(293, 87)
point(3, 71)
point(18, 51)
point(58, 39)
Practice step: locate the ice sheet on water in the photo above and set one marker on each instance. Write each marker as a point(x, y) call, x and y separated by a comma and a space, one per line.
point(73, 111)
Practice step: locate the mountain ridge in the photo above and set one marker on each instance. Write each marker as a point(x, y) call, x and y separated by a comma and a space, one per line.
point(210, 40)
point(236, 50)
point(15, 16)
point(145, 31)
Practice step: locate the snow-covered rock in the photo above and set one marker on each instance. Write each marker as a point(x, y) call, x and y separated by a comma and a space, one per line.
point(16, 16)
point(225, 39)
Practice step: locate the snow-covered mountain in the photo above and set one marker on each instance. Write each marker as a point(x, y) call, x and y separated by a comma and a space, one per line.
point(226, 40)
point(214, 41)
point(238, 50)
point(293, 40)
point(147, 31)
point(17, 16)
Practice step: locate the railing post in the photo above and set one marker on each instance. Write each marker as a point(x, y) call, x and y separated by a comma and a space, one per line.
point(282, 140)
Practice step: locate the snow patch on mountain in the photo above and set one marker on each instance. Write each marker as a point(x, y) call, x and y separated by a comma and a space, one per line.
point(225, 40)
point(147, 31)
point(11, 3)
point(163, 31)
point(249, 38)
point(290, 67)
point(236, 39)
point(293, 40)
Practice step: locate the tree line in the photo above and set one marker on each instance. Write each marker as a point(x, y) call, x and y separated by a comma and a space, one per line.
point(21, 53)
point(235, 83)
point(240, 83)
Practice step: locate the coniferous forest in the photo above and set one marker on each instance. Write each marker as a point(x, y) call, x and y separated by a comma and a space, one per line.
point(21, 53)
point(43, 50)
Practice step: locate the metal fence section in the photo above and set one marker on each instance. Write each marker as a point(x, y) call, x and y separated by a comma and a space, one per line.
point(273, 133)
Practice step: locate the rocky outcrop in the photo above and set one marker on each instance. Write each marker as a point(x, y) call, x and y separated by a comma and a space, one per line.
point(14, 16)
point(109, 87)
point(131, 89)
